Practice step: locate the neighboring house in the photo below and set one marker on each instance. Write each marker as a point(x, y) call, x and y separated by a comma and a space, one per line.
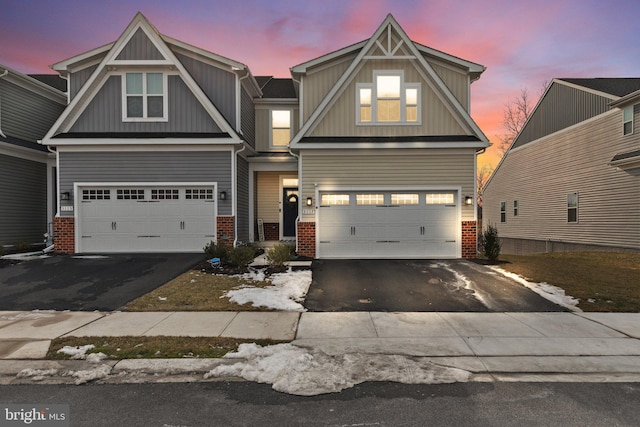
point(28, 108)
point(571, 179)
point(368, 151)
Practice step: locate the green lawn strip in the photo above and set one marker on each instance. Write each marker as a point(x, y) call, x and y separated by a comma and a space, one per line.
point(157, 347)
point(196, 291)
point(602, 281)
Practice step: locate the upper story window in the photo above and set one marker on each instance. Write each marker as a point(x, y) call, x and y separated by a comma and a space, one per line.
point(627, 121)
point(280, 128)
point(145, 97)
point(572, 207)
point(388, 100)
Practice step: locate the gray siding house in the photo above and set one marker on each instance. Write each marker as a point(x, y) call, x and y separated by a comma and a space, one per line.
point(571, 180)
point(28, 108)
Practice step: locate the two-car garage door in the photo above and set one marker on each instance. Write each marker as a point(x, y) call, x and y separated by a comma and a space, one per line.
point(146, 218)
point(388, 224)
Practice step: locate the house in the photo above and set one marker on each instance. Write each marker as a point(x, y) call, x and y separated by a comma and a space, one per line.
point(571, 179)
point(28, 107)
point(368, 151)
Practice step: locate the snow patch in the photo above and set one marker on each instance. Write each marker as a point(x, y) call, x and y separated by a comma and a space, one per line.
point(545, 290)
point(26, 256)
point(308, 372)
point(36, 374)
point(76, 352)
point(86, 375)
point(462, 281)
point(286, 292)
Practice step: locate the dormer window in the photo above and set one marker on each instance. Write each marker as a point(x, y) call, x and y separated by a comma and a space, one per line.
point(144, 97)
point(388, 100)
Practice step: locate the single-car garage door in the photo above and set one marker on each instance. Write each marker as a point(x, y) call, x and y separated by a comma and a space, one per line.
point(388, 224)
point(132, 218)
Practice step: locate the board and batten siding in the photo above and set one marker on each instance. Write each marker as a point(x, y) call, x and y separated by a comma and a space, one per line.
point(185, 113)
point(456, 80)
point(78, 78)
point(318, 82)
point(263, 125)
point(436, 119)
point(25, 114)
point(247, 118)
point(242, 204)
point(427, 168)
point(146, 166)
point(268, 196)
point(139, 48)
point(540, 175)
point(23, 200)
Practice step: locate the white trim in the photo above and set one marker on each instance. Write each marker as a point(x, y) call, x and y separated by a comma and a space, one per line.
point(373, 87)
point(126, 143)
point(279, 147)
point(24, 153)
point(145, 105)
point(67, 63)
point(33, 85)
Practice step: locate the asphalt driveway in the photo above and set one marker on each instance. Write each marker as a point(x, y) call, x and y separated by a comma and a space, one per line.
point(417, 285)
point(88, 283)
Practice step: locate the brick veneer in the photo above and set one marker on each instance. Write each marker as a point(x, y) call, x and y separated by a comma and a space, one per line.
point(64, 235)
point(225, 230)
point(469, 239)
point(307, 239)
point(271, 231)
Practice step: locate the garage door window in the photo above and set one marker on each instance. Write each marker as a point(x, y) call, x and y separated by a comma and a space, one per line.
point(370, 199)
point(162, 194)
point(96, 194)
point(199, 194)
point(439, 199)
point(334, 199)
point(404, 199)
point(129, 194)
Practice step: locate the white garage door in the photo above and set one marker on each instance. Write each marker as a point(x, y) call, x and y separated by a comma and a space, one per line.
point(388, 224)
point(146, 218)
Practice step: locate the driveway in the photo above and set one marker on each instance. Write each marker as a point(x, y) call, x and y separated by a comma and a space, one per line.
point(417, 285)
point(87, 283)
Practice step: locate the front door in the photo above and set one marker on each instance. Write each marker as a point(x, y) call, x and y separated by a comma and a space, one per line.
point(289, 211)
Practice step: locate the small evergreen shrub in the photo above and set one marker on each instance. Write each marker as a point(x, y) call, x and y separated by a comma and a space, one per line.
point(490, 243)
point(217, 250)
point(241, 256)
point(278, 255)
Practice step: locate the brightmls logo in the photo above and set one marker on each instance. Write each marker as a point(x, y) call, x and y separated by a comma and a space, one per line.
point(41, 415)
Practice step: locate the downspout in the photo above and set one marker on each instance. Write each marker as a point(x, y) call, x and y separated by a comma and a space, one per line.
point(1, 133)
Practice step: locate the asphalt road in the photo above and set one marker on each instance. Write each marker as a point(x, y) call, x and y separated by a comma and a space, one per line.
point(369, 404)
point(417, 285)
point(87, 283)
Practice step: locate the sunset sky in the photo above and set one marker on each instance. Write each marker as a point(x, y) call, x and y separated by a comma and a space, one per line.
point(522, 43)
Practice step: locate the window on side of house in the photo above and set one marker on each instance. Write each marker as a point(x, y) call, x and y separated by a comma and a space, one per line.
point(627, 121)
point(515, 208)
point(280, 128)
point(145, 97)
point(388, 99)
point(503, 211)
point(572, 207)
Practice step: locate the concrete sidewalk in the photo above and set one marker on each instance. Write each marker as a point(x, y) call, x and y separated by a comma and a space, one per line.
point(502, 345)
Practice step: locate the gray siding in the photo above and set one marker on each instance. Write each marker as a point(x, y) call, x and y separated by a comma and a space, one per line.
point(104, 113)
point(140, 48)
point(23, 200)
point(242, 204)
point(26, 115)
point(248, 119)
point(159, 166)
point(219, 85)
point(78, 79)
point(562, 107)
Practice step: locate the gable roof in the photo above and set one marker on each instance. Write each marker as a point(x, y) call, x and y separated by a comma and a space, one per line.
point(116, 54)
point(53, 80)
point(33, 84)
point(612, 86)
point(365, 48)
point(272, 87)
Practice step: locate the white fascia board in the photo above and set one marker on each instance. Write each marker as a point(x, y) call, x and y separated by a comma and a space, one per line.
point(585, 89)
point(263, 103)
point(205, 53)
point(386, 145)
point(626, 100)
point(66, 64)
point(25, 153)
point(121, 143)
point(36, 86)
point(302, 68)
point(471, 66)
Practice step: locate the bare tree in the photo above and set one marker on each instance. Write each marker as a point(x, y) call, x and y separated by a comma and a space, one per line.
point(481, 180)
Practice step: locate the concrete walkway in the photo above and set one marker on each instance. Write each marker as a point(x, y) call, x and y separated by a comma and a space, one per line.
point(503, 345)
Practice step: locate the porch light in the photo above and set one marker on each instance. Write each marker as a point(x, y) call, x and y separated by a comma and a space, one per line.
point(65, 195)
point(223, 195)
point(309, 201)
point(468, 200)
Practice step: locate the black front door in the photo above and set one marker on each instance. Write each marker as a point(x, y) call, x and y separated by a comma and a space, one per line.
point(289, 211)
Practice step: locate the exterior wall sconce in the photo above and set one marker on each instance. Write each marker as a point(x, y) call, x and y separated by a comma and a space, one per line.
point(309, 201)
point(65, 195)
point(468, 200)
point(223, 195)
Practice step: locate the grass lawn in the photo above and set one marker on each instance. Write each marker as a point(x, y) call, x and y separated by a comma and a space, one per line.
point(602, 281)
point(195, 291)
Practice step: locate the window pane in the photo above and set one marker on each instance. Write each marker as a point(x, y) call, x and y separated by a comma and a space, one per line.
point(388, 110)
point(412, 114)
point(572, 200)
point(439, 199)
point(335, 199)
point(370, 199)
point(365, 96)
point(628, 128)
point(404, 199)
point(281, 119)
point(289, 182)
point(388, 86)
point(572, 215)
point(155, 106)
point(280, 137)
point(154, 84)
point(412, 96)
point(628, 114)
point(134, 106)
point(365, 114)
point(134, 83)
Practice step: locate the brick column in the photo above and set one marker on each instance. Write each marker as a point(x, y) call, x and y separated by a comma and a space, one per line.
point(306, 239)
point(64, 235)
point(469, 239)
point(225, 230)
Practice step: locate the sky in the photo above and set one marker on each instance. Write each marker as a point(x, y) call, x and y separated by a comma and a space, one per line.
point(523, 44)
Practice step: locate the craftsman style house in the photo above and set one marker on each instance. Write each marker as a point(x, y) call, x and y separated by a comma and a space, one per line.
point(571, 179)
point(368, 151)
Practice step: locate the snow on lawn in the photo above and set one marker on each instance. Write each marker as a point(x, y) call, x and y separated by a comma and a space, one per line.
point(308, 372)
point(80, 353)
point(287, 290)
point(545, 290)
